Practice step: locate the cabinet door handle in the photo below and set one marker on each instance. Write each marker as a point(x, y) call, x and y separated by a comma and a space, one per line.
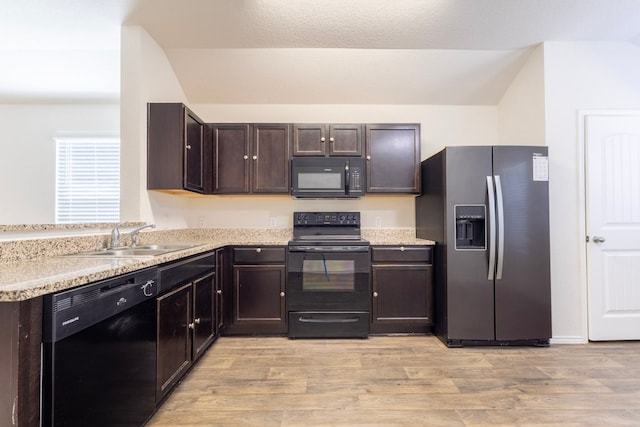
point(245, 157)
point(219, 292)
point(368, 157)
point(188, 147)
point(322, 139)
point(255, 157)
point(281, 294)
point(375, 294)
point(332, 139)
point(196, 321)
point(191, 326)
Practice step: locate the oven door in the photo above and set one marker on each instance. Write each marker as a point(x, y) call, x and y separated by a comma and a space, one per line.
point(328, 278)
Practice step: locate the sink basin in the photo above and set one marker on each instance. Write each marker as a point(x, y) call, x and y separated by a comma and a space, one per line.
point(137, 251)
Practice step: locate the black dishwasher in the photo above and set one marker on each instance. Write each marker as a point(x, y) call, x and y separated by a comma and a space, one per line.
point(99, 353)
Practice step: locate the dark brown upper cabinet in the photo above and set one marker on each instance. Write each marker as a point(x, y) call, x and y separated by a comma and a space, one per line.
point(178, 149)
point(251, 158)
point(327, 140)
point(393, 158)
point(230, 158)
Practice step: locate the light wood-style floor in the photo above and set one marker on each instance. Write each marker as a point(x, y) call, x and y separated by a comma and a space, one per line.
point(406, 381)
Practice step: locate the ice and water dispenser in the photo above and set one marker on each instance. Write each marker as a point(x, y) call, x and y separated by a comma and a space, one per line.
point(470, 227)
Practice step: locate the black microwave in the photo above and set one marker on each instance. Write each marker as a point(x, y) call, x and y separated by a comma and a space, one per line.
point(327, 177)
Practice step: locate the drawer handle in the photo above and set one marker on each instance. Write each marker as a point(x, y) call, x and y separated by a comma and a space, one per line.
point(332, 319)
point(281, 294)
point(401, 248)
point(258, 250)
point(375, 294)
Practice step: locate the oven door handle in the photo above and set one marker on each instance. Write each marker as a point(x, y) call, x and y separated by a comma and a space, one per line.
point(332, 249)
point(328, 319)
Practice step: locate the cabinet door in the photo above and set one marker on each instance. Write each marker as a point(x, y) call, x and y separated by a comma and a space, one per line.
point(270, 158)
point(222, 271)
point(259, 298)
point(309, 140)
point(193, 153)
point(393, 158)
point(203, 314)
point(174, 338)
point(231, 158)
point(345, 140)
point(402, 293)
point(171, 128)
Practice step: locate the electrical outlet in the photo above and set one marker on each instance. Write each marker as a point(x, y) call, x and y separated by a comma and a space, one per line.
point(273, 222)
point(378, 221)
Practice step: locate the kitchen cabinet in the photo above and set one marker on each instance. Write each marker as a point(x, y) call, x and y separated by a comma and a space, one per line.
point(20, 353)
point(251, 158)
point(185, 318)
point(223, 267)
point(402, 284)
point(258, 291)
point(393, 158)
point(178, 149)
point(327, 140)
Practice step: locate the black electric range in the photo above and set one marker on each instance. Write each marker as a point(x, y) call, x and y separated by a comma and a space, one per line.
point(328, 276)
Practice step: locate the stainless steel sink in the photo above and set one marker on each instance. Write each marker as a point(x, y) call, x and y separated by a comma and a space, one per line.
point(128, 252)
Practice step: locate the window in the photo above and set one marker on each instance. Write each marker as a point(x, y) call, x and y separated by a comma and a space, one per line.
point(87, 179)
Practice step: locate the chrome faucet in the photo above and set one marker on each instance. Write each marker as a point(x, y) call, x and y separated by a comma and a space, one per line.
point(134, 233)
point(115, 236)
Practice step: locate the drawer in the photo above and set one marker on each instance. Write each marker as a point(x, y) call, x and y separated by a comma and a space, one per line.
point(401, 254)
point(259, 255)
point(179, 272)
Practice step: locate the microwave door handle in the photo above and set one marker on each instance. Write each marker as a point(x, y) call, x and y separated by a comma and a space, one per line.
point(347, 178)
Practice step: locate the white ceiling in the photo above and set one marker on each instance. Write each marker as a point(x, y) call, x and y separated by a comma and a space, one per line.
point(302, 51)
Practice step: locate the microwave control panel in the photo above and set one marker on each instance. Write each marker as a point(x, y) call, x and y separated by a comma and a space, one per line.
point(356, 179)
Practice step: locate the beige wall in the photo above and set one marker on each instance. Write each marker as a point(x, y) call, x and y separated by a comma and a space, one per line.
point(27, 153)
point(541, 106)
point(578, 77)
point(147, 76)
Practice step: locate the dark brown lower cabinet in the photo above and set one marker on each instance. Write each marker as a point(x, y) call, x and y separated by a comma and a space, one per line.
point(174, 338)
point(185, 330)
point(258, 291)
point(20, 351)
point(402, 283)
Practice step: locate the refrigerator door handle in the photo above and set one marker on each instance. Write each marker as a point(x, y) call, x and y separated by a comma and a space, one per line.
point(492, 228)
point(500, 206)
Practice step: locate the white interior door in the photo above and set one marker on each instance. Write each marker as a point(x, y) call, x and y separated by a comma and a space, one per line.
point(613, 226)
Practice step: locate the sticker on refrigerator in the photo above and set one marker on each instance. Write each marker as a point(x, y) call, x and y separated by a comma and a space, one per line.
point(540, 168)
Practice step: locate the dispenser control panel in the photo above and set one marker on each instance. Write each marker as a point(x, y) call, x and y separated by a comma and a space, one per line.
point(471, 227)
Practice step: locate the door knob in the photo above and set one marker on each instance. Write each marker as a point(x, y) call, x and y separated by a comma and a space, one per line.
point(598, 239)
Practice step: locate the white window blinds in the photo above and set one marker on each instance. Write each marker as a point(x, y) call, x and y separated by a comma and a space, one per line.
point(87, 179)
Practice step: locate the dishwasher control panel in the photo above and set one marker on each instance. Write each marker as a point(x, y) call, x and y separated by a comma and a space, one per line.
point(67, 312)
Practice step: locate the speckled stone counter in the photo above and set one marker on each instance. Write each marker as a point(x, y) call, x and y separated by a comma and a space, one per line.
point(31, 268)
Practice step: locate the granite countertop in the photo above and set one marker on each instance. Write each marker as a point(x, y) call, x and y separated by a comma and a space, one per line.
point(25, 279)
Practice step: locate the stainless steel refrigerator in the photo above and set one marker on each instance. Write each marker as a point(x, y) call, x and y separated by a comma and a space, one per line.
point(487, 208)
